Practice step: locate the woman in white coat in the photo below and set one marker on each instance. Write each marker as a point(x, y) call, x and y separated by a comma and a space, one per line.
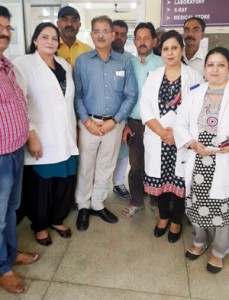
point(161, 95)
point(51, 154)
point(201, 134)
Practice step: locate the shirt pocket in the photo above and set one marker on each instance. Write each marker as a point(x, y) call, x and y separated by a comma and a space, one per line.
point(119, 82)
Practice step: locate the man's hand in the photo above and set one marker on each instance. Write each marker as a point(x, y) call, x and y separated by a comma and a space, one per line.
point(106, 126)
point(94, 128)
point(126, 131)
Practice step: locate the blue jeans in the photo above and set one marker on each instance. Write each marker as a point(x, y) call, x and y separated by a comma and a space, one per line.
point(11, 168)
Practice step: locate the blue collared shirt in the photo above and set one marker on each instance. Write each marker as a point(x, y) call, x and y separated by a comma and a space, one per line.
point(141, 71)
point(104, 87)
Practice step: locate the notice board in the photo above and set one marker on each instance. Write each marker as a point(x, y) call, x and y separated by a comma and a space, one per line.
point(213, 12)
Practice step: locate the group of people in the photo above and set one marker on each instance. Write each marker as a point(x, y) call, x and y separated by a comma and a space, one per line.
point(174, 124)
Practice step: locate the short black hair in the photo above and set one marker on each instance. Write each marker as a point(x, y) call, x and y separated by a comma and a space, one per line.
point(147, 25)
point(37, 32)
point(221, 50)
point(199, 20)
point(120, 23)
point(4, 12)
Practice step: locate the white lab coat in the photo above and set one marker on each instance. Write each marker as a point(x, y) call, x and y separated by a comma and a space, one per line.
point(51, 114)
point(186, 129)
point(149, 110)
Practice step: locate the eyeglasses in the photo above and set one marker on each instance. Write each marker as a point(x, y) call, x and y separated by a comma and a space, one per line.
point(8, 28)
point(104, 31)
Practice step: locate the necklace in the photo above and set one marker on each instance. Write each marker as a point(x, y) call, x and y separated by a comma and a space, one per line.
point(215, 92)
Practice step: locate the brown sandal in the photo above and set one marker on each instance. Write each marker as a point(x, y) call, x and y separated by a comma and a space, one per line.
point(26, 258)
point(12, 283)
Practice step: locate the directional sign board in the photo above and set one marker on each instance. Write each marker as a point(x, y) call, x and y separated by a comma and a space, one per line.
point(213, 12)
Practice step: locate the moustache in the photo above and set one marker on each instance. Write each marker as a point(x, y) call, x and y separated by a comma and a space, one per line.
point(190, 38)
point(101, 40)
point(142, 46)
point(4, 37)
point(69, 27)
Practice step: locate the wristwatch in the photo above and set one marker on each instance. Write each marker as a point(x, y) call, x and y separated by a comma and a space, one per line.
point(114, 121)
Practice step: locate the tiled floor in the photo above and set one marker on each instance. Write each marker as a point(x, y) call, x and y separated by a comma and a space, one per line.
point(122, 261)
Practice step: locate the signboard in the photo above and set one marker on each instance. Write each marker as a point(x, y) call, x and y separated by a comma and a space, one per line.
point(213, 12)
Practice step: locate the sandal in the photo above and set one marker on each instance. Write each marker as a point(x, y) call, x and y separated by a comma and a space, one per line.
point(12, 283)
point(26, 258)
point(131, 210)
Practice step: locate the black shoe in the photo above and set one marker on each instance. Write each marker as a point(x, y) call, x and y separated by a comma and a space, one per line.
point(121, 191)
point(213, 269)
point(105, 215)
point(173, 237)
point(193, 256)
point(82, 222)
point(158, 232)
point(45, 242)
point(63, 233)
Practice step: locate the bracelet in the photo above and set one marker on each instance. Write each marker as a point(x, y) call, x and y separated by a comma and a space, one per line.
point(87, 123)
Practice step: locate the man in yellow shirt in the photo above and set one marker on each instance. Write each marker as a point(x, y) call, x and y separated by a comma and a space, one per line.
point(69, 24)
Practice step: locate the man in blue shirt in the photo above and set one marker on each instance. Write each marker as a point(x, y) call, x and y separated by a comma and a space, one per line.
point(106, 91)
point(146, 61)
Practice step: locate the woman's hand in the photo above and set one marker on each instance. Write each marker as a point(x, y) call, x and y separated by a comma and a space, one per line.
point(34, 145)
point(223, 150)
point(201, 149)
point(167, 136)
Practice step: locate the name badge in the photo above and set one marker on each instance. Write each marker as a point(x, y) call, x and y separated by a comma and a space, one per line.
point(120, 73)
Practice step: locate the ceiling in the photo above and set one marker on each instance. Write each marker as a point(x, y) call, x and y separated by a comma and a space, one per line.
point(127, 5)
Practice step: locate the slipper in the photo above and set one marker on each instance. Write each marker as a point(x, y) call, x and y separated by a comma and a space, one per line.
point(26, 258)
point(192, 256)
point(213, 268)
point(131, 210)
point(63, 233)
point(12, 283)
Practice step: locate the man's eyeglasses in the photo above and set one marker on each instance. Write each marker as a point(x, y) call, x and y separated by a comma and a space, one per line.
point(8, 28)
point(104, 31)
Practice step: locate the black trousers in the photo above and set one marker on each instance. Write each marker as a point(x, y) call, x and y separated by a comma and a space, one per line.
point(136, 159)
point(171, 206)
point(46, 201)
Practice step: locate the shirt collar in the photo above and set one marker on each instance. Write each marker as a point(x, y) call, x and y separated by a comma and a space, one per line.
point(148, 57)
point(63, 43)
point(199, 54)
point(112, 54)
point(5, 63)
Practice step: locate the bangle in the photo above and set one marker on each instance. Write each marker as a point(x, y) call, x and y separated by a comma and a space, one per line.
point(87, 123)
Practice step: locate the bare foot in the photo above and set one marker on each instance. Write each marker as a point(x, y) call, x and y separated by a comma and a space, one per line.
point(196, 250)
point(215, 261)
point(12, 283)
point(162, 223)
point(60, 227)
point(43, 234)
point(26, 258)
point(175, 228)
